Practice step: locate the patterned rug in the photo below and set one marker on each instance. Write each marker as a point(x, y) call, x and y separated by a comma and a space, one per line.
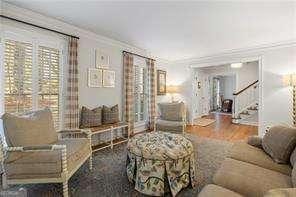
point(108, 177)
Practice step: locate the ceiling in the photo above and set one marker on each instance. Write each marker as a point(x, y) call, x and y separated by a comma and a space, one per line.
point(178, 30)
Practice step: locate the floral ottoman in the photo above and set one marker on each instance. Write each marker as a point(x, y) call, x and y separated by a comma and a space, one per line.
point(160, 162)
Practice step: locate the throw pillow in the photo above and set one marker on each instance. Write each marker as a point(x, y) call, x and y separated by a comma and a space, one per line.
point(279, 142)
point(90, 118)
point(110, 114)
point(29, 129)
point(171, 111)
point(255, 141)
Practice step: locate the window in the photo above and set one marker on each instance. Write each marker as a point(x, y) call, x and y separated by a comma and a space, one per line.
point(141, 93)
point(30, 85)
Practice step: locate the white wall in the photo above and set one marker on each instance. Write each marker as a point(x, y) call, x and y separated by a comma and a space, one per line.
point(227, 86)
point(180, 76)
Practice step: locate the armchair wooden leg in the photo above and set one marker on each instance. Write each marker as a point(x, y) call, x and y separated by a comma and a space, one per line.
point(90, 162)
point(4, 181)
point(65, 189)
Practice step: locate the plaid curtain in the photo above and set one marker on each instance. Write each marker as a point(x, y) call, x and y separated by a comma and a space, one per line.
point(71, 118)
point(152, 89)
point(128, 72)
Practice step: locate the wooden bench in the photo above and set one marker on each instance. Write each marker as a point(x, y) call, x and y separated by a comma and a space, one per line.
point(111, 128)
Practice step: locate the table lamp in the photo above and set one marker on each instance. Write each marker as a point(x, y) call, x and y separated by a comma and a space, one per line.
point(290, 80)
point(173, 89)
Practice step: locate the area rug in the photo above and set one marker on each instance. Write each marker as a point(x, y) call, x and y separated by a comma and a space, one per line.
point(203, 121)
point(108, 177)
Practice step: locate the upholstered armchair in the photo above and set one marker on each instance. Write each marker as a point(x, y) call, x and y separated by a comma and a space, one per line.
point(35, 153)
point(171, 117)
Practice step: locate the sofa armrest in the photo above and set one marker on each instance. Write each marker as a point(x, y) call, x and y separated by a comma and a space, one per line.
point(74, 133)
point(281, 192)
point(35, 148)
point(255, 141)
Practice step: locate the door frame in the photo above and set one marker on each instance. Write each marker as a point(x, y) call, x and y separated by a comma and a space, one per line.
point(229, 60)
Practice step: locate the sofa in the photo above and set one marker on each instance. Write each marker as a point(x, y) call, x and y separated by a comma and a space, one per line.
point(252, 169)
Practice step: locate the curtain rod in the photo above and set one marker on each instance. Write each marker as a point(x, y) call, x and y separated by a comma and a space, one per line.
point(24, 22)
point(138, 55)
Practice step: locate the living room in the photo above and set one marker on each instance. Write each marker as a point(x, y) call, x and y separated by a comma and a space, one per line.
point(109, 100)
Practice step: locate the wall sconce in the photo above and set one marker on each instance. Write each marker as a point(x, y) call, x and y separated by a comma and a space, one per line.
point(199, 85)
point(172, 89)
point(290, 80)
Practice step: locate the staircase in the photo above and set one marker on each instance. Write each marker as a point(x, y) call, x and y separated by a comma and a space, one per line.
point(246, 105)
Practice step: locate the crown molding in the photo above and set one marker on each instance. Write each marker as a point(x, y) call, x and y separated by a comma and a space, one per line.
point(248, 50)
point(42, 20)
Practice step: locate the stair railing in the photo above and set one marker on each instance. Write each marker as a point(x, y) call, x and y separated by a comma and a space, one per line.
point(244, 98)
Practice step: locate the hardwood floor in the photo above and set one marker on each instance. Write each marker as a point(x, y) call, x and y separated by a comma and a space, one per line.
point(223, 129)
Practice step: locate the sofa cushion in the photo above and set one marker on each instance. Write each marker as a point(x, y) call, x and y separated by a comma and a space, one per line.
point(248, 179)
point(31, 128)
point(90, 118)
point(46, 163)
point(289, 192)
point(171, 111)
point(244, 152)
point(165, 125)
point(212, 190)
point(110, 114)
point(279, 142)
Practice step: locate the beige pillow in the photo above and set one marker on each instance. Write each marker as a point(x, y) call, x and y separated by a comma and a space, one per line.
point(32, 128)
point(279, 142)
point(171, 111)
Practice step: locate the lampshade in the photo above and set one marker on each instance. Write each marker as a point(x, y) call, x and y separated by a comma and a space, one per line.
point(290, 80)
point(172, 89)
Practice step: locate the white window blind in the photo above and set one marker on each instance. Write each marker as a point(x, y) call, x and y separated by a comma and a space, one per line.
point(18, 76)
point(48, 67)
point(140, 93)
point(31, 86)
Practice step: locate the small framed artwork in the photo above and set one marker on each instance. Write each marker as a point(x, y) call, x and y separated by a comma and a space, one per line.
point(102, 59)
point(161, 82)
point(108, 78)
point(95, 77)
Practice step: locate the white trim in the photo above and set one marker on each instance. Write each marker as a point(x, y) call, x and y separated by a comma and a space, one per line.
point(199, 61)
point(2, 80)
point(239, 58)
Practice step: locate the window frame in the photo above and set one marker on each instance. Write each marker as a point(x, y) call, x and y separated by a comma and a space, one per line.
point(36, 38)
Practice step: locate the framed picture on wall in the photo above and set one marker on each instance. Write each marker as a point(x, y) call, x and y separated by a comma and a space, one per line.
point(161, 82)
point(102, 59)
point(95, 77)
point(108, 78)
